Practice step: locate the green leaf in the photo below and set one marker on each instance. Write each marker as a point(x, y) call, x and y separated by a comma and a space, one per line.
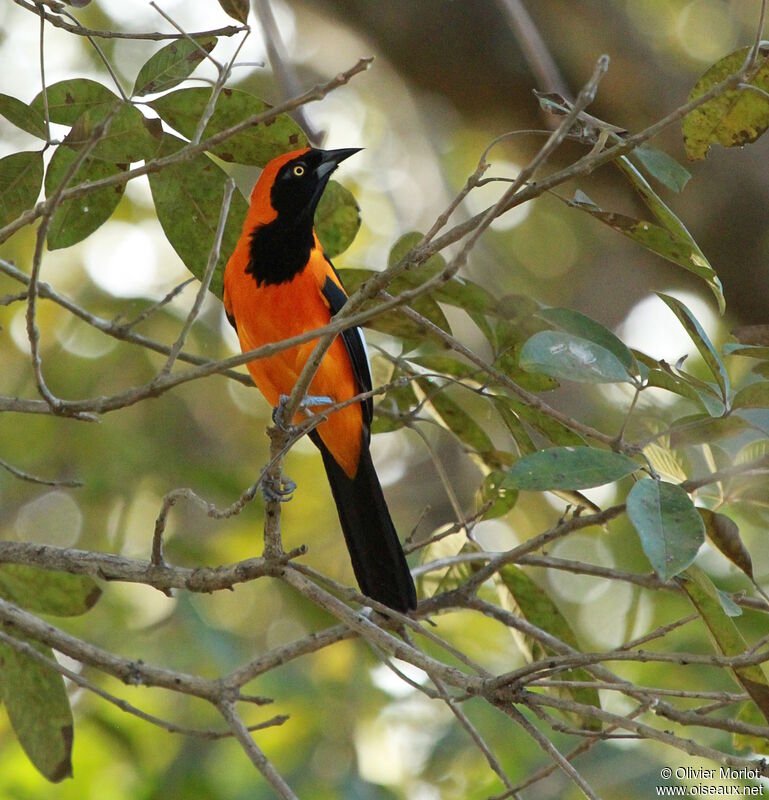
point(670, 529)
point(38, 709)
point(394, 322)
point(725, 634)
point(353, 278)
point(754, 395)
point(750, 715)
point(23, 116)
point(21, 176)
point(44, 591)
point(129, 137)
point(563, 355)
point(748, 350)
point(661, 379)
point(399, 400)
point(509, 363)
point(581, 325)
point(702, 342)
point(681, 250)
point(569, 468)
point(731, 609)
point(449, 578)
point(701, 429)
point(78, 218)
point(445, 364)
point(551, 428)
point(188, 200)
point(417, 274)
point(513, 422)
point(456, 419)
point(237, 9)
point(540, 610)
point(663, 167)
point(337, 219)
point(654, 202)
point(415, 277)
point(725, 535)
point(693, 258)
point(172, 64)
point(494, 491)
point(68, 100)
point(259, 144)
point(466, 295)
point(735, 118)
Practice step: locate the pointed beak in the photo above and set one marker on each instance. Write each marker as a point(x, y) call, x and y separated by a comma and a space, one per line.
point(332, 159)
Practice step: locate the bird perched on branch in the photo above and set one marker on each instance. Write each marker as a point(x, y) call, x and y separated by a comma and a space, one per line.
point(278, 283)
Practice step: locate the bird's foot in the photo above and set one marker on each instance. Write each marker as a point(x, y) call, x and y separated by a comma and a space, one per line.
point(308, 401)
point(280, 493)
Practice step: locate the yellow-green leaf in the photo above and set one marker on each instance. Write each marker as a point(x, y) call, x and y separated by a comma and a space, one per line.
point(68, 100)
point(725, 535)
point(23, 116)
point(38, 709)
point(188, 200)
point(237, 9)
point(259, 144)
point(540, 610)
point(668, 525)
point(78, 218)
point(725, 634)
point(569, 468)
point(337, 219)
point(21, 176)
point(172, 64)
point(735, 118)
point(45, 591)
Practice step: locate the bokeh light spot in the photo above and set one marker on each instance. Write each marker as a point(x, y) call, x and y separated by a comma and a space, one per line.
point(55, 518)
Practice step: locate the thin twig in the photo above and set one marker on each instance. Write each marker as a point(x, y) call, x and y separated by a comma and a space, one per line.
point(54, 200)
point(533, 47)
point(44, 90)
point(253, 751)
point(282, 69)
point(26, 476)
point(102, 57)
point(202, 733)
point(317, 92)
point(80, 30)
point(548, 747)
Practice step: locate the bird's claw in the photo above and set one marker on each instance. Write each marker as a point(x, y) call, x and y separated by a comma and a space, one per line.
point(308, 401)
point(278, 494)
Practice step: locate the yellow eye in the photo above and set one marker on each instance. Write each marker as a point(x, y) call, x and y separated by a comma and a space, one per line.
point(298, 170)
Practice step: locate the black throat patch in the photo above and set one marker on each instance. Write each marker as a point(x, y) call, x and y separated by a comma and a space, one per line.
point(279, 252)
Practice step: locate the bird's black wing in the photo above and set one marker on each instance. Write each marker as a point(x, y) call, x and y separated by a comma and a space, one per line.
point(354, 343)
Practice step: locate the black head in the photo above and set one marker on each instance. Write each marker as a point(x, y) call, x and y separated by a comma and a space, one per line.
point(299, 183)
point(280, 248)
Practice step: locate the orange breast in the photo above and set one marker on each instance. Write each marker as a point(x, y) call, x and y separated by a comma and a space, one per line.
point(266, 314)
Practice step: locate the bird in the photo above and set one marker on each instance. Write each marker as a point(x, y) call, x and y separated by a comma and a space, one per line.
point(279, 283)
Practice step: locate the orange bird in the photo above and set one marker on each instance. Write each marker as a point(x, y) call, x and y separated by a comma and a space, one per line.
point(278, 283)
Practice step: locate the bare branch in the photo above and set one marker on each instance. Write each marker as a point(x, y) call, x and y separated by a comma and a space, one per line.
point(252, 750)
point(535, 51)
point(26, 476)
point(284, 73)
point(187, 153)
point(229, 30)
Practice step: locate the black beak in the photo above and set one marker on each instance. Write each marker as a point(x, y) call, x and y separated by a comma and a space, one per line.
point(332, 159)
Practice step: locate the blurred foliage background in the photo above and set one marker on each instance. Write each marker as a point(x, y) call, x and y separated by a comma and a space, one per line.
point(448, 78)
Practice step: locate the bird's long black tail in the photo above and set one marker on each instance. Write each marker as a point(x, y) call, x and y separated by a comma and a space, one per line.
point(377, 557)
